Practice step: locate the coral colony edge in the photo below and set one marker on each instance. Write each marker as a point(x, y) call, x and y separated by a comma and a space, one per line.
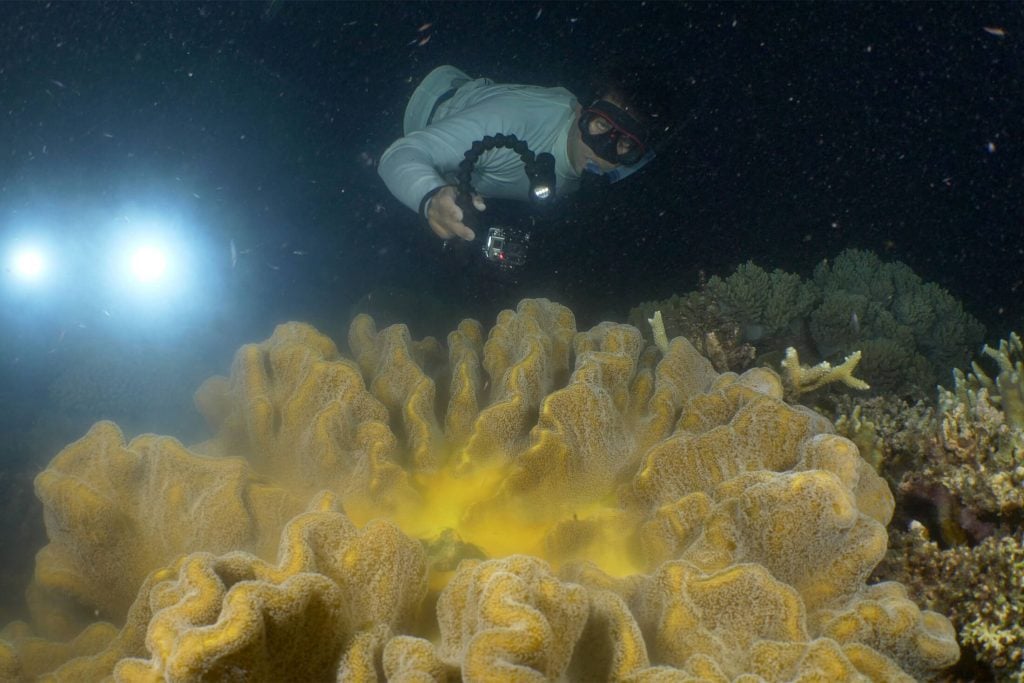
point(534, 502)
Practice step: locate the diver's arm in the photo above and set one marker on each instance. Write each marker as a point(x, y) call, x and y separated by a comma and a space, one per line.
point(413, 165)
point(409, 168)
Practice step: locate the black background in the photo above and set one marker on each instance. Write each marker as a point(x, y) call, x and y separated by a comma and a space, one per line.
point(805, 129)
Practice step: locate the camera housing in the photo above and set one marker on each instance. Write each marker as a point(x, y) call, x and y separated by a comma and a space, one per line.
point(506, 246)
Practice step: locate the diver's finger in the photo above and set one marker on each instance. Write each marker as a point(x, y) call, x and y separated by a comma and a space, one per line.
point(463, 231)
point(478, 203)
point(440, 230)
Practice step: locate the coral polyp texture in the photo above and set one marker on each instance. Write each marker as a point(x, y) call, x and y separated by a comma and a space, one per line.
point(534, 503)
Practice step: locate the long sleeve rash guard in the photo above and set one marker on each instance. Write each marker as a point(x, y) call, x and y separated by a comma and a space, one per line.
point(426, 159)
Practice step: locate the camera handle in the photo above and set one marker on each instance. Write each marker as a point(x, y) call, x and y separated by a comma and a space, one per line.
point(470, 214)
point(540, 169)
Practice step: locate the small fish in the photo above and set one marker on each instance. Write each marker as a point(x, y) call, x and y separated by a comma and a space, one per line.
point(536, 16)
point(991, 30)
point(854, 323)
point(108, 135)
point(273, 267)
point(299, 252)
point(234, 254)
point(61, 85)
point(424, 27)
point(423, 41)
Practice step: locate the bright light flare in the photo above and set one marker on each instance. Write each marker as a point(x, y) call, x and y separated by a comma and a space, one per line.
point(148, 263)
point(151, 269)
point(28, 264)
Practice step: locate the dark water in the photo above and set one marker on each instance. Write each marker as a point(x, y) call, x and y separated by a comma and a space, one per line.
point(806, 129)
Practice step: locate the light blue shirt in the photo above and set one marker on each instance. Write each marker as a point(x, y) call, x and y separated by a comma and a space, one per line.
point(429, 158)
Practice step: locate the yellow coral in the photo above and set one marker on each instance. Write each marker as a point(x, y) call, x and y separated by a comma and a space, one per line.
point(25, 656)
point(602, 496)
point(510, 619)
point(333, 591)
point(116, 511)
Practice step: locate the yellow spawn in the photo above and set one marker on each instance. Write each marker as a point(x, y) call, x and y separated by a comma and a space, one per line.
point(538, 503)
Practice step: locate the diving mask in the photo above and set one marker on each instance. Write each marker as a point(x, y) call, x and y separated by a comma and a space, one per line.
point(621, 140)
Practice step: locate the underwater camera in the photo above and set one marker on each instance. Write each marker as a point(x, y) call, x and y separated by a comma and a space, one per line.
point(505, 246)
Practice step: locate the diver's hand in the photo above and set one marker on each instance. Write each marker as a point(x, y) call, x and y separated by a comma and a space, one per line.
point(445, 216)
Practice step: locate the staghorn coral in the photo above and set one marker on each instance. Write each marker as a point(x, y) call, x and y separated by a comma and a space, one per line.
point(602, 496)
point(801, 379)
point(979, 454)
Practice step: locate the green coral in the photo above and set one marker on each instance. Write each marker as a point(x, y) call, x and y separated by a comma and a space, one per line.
point(698, 317)
point(925, 329)
point(766, 303)
point(910, 332)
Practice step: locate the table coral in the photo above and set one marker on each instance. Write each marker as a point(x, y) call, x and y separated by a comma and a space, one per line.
point(620, 512)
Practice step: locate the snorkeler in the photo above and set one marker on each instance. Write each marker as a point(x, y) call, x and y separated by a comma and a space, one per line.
point(449, 111)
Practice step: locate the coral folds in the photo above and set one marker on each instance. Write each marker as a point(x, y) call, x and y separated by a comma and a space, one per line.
point(534, 503)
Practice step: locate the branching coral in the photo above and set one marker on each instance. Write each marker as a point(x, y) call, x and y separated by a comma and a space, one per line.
point(768, 304)
point(959, 471)
point(917, 330)
point(980, 587)
point(980, 455)
point(602, 496)
point(801, 379)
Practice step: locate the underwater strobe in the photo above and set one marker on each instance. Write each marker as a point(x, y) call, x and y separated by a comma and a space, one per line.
point(505, 246)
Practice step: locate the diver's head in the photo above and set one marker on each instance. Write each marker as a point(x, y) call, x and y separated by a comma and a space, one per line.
point(612, 133)
point(620, 126)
